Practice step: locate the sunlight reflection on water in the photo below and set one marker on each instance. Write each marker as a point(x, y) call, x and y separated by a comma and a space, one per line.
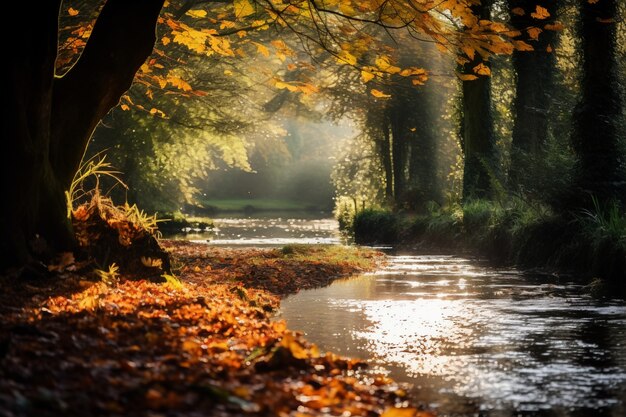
point(259, 231)
point(475, 341)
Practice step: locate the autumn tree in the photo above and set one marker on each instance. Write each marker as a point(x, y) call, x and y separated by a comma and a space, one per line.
point(49, 119)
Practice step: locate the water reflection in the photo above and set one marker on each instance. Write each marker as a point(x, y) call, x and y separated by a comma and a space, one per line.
point(269, 231)
point(476, 341)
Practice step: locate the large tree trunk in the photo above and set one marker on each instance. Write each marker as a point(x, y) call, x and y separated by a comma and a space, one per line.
point(534, 85)
point(49, 120)
point(601, 168)
point(477, 132)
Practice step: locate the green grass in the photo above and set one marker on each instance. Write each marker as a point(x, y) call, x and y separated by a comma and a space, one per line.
point(265, 204)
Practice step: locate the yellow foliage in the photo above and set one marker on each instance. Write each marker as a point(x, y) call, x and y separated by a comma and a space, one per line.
point(367, 76)
point(243, 8)
point(346, 57)
point(198, 14)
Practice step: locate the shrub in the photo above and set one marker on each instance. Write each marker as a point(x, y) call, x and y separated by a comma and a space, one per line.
point(376, 226)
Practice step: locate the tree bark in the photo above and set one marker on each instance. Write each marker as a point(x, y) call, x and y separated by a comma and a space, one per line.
point(478, 136)
point(601, 167)
point(49, 120)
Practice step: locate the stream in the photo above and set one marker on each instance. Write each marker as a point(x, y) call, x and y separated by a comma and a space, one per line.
point(470, 340)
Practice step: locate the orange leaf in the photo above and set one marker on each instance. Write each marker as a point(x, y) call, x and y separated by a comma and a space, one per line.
point(165, 40)
point(379, 94)
point(534, 33)
point(540, 13)
point(557, 26)
point(522, 46)
point(467, 77)
point(482, 69)
point(72, 12)
point(125, 107)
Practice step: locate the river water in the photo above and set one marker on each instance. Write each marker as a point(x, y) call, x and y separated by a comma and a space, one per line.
point(470, 340)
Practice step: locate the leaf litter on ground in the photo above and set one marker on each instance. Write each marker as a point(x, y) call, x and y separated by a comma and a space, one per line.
point(205, 346)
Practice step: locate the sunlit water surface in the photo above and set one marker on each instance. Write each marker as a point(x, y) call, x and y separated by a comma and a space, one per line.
point(263, 230)
point(472, 340)
point(475, 341)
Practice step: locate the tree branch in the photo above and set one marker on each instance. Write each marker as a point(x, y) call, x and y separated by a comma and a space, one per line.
point(122, 39)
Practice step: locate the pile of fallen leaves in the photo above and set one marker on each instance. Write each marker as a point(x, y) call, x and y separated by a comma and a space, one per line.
point(119, 234)
point(69, 346)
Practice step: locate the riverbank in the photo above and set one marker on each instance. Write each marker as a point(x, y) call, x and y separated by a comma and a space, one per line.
point(591, 246)
point(202, 344)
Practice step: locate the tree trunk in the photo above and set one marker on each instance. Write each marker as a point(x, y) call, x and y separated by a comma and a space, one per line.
point(601, 168)
point(49, 120)
point(399, 154)
point(384, 151)
point(534, 85)
point(478, 137)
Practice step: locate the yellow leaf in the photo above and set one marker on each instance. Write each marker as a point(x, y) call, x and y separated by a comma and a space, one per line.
point(379, 94)
point(262, 49)
point(72, 12)
point(165, 40)
point(198, 14)
point(518, 11)
point(178, 82)
point(540, 13)
point(153, 111)
point(283, 85)
point(243, 8)
point(408, 72)
point(228, 72)
point(384, 63)
point(366, 76)
point(482, 69)
point(346, 57)
point(125, 107)
point(534, 33)
point(467, 77)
